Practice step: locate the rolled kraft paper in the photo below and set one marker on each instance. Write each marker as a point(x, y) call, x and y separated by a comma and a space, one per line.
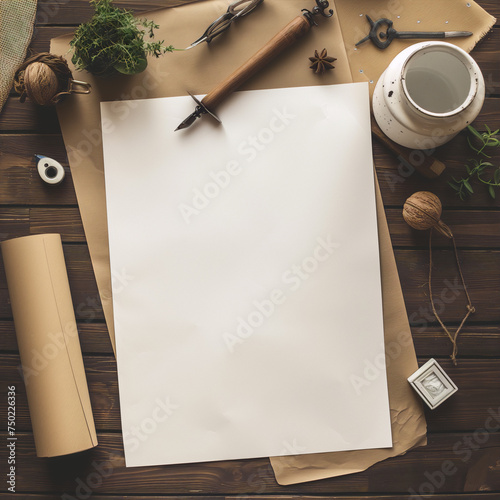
point(47, 336)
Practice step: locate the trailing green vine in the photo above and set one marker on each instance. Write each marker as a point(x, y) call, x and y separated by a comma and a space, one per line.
point(484, 171)
point(113, 41)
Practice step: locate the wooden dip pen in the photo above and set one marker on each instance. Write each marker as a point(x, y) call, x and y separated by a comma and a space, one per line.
point(294, 30)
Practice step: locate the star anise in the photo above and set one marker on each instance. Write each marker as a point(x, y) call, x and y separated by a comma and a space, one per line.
point(321, 62)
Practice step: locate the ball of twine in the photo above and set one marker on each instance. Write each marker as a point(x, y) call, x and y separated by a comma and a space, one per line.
point(422, 211)
point(44, 78)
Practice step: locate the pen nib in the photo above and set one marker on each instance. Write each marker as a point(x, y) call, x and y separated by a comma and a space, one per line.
point(188, 121)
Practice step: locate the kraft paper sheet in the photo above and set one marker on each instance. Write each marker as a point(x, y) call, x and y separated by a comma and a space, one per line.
point(49, 347)
point(198, 70)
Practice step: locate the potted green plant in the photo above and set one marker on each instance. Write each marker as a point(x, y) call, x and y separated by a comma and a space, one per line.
point(114, 42)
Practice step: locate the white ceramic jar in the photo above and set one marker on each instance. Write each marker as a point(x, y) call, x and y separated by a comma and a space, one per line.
point(428, 94)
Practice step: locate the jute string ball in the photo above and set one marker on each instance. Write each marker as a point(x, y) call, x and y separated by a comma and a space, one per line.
point(422, 211)
point(45, 78)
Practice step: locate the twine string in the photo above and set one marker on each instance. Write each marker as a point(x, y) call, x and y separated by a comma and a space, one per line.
point(470, 308)
point(56, 63)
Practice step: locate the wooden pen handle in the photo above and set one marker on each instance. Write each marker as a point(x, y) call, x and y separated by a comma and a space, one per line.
point(286, 37)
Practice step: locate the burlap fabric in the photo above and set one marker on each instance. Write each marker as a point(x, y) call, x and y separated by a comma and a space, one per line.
point(17, 19)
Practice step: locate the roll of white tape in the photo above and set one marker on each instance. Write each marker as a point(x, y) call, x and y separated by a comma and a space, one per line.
point(51, 171)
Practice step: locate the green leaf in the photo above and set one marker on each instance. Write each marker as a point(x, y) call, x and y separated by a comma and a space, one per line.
point(469, 171)
point(496, 176)
point(491, 190)
point(453, 186)
point(475, 132)
point(140, 66)
point(468, 186)
point(472, 145)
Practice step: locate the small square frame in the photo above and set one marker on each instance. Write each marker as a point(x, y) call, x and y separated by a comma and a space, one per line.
point(432, 383)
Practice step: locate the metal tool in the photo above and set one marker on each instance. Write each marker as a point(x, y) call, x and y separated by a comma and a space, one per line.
point(237, 9)
point(286, 37)
point(382, 39)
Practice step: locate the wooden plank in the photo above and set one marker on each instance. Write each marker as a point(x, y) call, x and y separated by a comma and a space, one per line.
point(27, 116)
point(77, 11)
point(465, 411)
point(449, 297)
point(475, 340)
point(18, 149)
point(13, 222)
point(480, 341)
point(94, 338)
point(456, 496)
point(21, 185)
point(467, 470)
point(472, 228)
point(485, 53)
point(65, 221)
point(481, 270)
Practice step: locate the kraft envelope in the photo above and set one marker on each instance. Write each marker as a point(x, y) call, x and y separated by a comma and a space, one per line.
point(198, 71)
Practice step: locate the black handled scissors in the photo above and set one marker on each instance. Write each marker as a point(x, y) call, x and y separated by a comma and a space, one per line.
point(237, 9)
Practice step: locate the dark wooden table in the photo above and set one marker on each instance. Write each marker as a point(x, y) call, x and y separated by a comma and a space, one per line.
point(456, 429)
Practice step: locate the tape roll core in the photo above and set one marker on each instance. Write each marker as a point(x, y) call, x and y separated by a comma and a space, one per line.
point(51, 171)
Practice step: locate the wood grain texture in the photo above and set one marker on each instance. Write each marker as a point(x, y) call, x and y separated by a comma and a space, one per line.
point(396, 475)
point(465, 411)
point(20, 184)
point(475, 341)
point(465, 496)
point(481, 271)
point(28, 206)
point(294, 30)
point(73, 12)
point(469, 233)
point(430, 167)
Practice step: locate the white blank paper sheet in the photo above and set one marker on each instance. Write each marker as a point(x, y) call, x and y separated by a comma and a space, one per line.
point(246, 276)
